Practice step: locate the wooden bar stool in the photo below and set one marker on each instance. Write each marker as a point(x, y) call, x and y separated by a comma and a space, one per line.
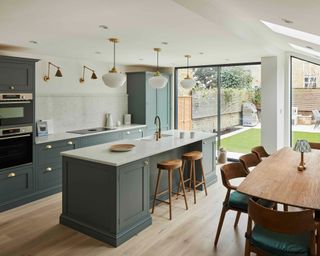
point(193, 156)
point(169, 166)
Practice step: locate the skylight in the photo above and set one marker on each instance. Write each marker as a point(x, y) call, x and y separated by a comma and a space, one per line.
point(306, 50)
point(293, 32)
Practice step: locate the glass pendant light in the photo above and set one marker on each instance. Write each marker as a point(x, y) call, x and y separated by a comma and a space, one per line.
point(187, 82)
point(158, 81)
point(114, 79)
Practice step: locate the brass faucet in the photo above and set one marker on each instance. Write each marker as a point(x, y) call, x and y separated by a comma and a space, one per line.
point(158, 124)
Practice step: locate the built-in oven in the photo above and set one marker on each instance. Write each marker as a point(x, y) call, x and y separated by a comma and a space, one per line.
point(16, 109)
point(15, 146)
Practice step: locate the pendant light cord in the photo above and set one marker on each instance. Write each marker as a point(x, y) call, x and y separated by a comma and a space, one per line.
point(114, 54)
point(157, 60)
point(187, 66)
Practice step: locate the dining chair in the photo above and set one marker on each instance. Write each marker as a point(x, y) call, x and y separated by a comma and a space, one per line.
point(260, 152)
point(234, 200)
point(249, 161)
point(279, 233)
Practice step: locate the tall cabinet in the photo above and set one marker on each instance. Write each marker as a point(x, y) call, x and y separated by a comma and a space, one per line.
point(145, 103)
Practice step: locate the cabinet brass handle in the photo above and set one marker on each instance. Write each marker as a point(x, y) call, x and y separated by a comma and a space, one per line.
point(128, 132)
point(48, 169)
point(70, 142)
point(12, 87)
point(146, 163)
point(48, 147)
point(11, 174)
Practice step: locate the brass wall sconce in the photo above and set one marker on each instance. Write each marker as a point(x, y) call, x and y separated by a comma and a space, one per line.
point(58, 73)
point(93, 76)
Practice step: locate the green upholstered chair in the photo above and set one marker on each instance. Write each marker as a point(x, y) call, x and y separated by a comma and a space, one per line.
point(279, 233)
point(234, 200)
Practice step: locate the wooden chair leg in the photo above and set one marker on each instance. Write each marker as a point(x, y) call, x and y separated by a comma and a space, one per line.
point(183, 188)
point(247, 248)
point(194, 181)
point(203, 178)
point(223, 214)
point(156, 191)
point(237, 219)
point(170, 192)
point(191, 173)
point(181, 182)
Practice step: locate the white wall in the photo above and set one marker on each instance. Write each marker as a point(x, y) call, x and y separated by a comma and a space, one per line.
point(273, 102)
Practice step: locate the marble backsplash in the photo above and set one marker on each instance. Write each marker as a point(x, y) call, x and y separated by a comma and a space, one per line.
point(73, 112)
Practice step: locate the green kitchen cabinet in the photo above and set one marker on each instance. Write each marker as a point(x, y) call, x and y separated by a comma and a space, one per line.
point(99, 139)
point(133, 134)
point(17, 74)
point(145, 102)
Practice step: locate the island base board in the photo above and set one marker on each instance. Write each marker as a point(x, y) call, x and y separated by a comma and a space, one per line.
point(106, 237)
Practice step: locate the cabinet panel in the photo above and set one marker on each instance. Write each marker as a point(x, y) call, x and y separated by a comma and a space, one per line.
point(49, 176)
point(208, 151)
point(163, 105)
point(133, 192)
point(15, 183)
point(50, 152)
point(16, 76)
point(133, 134)
point(100, 139)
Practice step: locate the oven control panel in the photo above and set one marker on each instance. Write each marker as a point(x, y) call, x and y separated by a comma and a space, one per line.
point(15, 96)
point(15, 130)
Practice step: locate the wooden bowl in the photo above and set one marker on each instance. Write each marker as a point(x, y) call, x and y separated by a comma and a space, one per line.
point(121, 147)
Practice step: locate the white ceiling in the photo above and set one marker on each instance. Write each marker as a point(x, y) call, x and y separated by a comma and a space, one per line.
point(226, 31)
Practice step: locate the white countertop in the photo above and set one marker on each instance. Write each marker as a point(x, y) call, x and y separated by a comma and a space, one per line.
point(144, 147)
point(67, 135)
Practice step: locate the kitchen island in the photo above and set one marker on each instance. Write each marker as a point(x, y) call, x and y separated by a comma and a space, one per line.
point(107, 194)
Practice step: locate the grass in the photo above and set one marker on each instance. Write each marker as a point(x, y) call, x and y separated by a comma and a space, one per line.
point(244, 141)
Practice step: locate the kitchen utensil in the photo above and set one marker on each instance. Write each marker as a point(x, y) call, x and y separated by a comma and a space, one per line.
point(109, 120)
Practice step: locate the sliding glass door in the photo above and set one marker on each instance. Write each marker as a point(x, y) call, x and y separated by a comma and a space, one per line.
point(226, 100)
point(305, 100)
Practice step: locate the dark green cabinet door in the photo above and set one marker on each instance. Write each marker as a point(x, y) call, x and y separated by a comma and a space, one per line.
point(150, 106)
point(16, 76)
point(208, 151)
point(163, 104)
point(133, 134)
point(133, 192)
point(16, 183)
point(99, 139)
point(49, 176)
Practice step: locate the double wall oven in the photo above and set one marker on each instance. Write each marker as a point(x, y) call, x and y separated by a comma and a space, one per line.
point(16, 133)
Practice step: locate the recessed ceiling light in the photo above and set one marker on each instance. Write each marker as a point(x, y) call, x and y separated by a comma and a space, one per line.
point(97, 52)
point(33, 42)
point(306, 50)
point(226, 59)
point(103, 26)
point(309, 47)
point(287, 21)
point(140, 59)
point(292, 32)
point(201, 53)
point(164, 43)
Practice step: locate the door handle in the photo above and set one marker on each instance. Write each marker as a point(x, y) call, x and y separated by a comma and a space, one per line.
point(11, 175)
point(146, 163)
point(70, 142)
point(49, 147)
point(48, 169)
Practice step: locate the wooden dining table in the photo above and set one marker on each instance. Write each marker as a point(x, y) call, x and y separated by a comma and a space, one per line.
point(277, 179)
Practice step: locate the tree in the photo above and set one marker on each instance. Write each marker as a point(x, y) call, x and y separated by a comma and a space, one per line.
point(231, 77)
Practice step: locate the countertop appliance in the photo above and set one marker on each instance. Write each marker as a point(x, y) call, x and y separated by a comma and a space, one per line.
point(16, 109)
point(92, 130)
point(15, 146)
point(109, 120)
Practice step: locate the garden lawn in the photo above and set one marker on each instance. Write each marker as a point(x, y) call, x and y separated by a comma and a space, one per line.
point(244, 141)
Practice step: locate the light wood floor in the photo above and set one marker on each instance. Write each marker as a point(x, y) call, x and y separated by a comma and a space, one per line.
point(34, 229)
